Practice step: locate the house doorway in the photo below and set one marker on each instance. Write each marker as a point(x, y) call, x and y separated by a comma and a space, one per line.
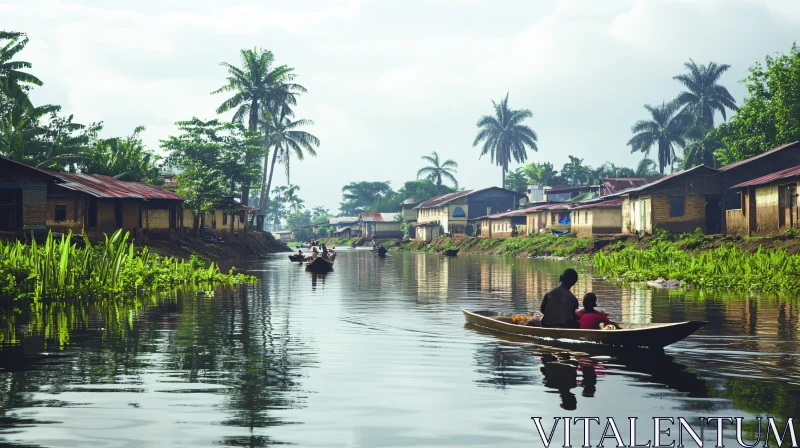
point(713, 215)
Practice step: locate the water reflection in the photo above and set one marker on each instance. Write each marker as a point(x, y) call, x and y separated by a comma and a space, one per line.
point(374, 353)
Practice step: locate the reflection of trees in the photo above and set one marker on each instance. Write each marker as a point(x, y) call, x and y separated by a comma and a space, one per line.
point(503, 365)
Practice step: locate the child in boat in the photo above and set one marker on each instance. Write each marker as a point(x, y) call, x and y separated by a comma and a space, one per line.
point(589, 318)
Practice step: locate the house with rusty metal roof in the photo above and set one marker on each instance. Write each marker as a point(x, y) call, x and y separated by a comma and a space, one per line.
point(33, 199)
point(457, 213)
point(381, 225)
point(503, 225)
point(597, 218)
point(768, 205)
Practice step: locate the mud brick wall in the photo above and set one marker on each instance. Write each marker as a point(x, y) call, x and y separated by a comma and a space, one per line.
point(694, 213)
point(74, 216)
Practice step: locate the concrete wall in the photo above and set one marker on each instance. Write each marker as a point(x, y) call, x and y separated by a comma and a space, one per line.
point(626, 215)
point(427, 233)
point(409, 213)
point(444, 214)
point(388, 229)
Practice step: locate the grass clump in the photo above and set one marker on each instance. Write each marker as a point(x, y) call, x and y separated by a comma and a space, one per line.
point(60, 270)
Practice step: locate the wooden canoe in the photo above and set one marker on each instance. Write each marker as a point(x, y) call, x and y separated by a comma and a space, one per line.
point(631, 335)
point(296, 257)
point(451, 252)
point(319, 264)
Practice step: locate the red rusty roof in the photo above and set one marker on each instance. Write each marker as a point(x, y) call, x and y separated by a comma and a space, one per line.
point(769, 178)
point(745, 161)
point(512, 213)
point(107, 187)
point(445, 198)
point(613, 185)
point(378, 217)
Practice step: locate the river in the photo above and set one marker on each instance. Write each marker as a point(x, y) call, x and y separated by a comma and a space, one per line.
point(375, 353)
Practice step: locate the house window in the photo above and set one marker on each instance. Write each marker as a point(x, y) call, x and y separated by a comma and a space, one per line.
point(459, 213)
point(676, 206)
point(61, 212)
point(224, 218)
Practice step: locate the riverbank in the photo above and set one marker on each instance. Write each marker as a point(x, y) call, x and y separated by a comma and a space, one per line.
point(689, 260)
point(244, 246)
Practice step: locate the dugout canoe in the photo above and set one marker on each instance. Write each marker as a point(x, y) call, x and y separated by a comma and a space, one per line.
point(451, 252)
point(319, 264)
point(631, 335)
point(297, 257)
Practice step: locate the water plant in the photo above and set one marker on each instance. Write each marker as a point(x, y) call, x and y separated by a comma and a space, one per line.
point(62, 269)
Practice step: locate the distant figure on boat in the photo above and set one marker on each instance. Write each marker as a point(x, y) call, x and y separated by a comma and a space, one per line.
point(589, 318)
point(325, 253)
point(300, 253)
point(314, 252)
point(559, 304)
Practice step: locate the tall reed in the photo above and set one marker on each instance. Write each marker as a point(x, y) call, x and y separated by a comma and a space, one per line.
point(59, 269)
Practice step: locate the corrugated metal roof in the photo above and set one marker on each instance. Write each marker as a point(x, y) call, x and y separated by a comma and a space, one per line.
point(378, 217)
point(410, 201)
point(512, 213)
point(343, 220)
point(662, 180)
point(764, 154)
point(770, 178)
point(613, 185)
point(110, 188)
point(545, 207)
point(565, 188)
point(445, 198)
point(616, 202)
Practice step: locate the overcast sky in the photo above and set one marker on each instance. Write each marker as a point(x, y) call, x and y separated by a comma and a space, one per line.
point(391, 80)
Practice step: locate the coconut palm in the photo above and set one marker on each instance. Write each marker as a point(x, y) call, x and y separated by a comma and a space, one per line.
point(646, 168)
point(704, 97)
point(13, 81)
point(287, 140)
point(257, 86)
point(504, 136)
point(517, 180)
point(575, 172)
point(541, 174)
point(664, 129)
point(436, 170)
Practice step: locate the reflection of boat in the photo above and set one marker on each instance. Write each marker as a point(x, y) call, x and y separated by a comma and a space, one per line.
point(297, 257)
point(319, 264)
point(631, 335)
point(451, 252)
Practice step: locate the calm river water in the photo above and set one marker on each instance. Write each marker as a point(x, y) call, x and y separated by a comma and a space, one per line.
point(375, 354)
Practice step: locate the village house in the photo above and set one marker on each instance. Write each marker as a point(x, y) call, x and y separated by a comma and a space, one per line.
point(597, 218)
point(36, 200)
point(381, 225)
point(345, 226)
point(768, 205)
point(548, 217)
point(503, 225)
point(456, 213)
point(678, 203)
point(284, 236)
point(228, 216)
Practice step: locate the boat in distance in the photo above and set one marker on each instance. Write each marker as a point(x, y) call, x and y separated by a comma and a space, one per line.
point(631, 335)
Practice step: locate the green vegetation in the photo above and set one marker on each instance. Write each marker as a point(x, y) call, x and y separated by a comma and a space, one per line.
point(691, 258)
point(358, 197)
point(60, 270)
point(437, 170)
point(534, 245)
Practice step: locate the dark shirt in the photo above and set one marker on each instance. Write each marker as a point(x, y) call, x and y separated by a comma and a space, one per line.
point(559, 306)
point(591, 320)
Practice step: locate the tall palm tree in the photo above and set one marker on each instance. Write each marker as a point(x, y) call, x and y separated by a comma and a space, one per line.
point(287, 140)
point(517, 180)
point(704, 97)
point(13, 81)
point(664, 129)
point(646, 168)
point(256, 87)
point(576, 172)
point(504, 136)
point(436, 170)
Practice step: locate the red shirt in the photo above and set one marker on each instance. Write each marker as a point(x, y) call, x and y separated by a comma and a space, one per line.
point(591, 320)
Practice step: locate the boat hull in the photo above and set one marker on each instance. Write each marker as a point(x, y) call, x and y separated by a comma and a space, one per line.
point(632, 335)
point(297, 258)
point(319, 265)
point(451, 252)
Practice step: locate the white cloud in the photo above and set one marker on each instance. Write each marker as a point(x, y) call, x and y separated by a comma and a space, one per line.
point(389, 81)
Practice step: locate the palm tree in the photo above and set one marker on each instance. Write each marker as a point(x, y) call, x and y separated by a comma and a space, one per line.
point(665, 130)
point(576, 172)
point(12, 79)
point(517, 180)
point(436, 171)
point(541, 174)
point(257, 86)
point(283, 135)
point(704, 97)
point(504, 136)
point(646, 168)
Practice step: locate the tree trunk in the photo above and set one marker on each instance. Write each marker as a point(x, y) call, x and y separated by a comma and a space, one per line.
point(269, 180)
point(252, 126)
point(262, 200)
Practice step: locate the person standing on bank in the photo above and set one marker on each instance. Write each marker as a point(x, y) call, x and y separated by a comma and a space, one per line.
point(559, 304)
